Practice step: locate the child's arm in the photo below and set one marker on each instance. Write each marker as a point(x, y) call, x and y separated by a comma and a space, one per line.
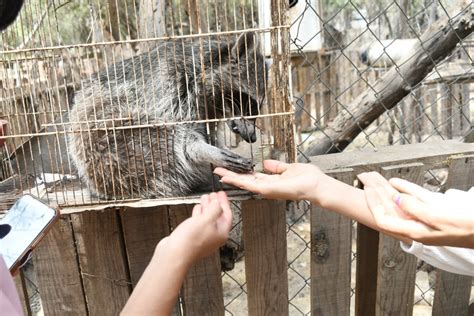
point(305, 182)
point(195, 238)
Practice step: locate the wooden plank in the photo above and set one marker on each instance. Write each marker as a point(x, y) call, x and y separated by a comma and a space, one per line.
point(331, 258)
point(142, 230)
point(434, 153)
point(447, 111)
point(366, 267)
point(58, 273)
point(452, 291)
point(264, 225)
point(396, 269)
point(102, 261)
point(22, 293)
point(202, 292)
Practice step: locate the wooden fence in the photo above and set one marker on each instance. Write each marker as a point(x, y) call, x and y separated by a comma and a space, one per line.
point(327, 81)
point(91, 260)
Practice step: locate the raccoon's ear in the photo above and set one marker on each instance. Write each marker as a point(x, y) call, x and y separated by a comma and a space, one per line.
point(247, 41)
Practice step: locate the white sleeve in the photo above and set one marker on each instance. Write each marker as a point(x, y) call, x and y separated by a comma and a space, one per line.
point(452, 259)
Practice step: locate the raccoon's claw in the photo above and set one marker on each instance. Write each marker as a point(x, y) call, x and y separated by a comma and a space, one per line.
point(236, 163)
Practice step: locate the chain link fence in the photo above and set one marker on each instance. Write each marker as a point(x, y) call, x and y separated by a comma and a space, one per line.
point(364, 74)
point(366, 51)
point(360, 42)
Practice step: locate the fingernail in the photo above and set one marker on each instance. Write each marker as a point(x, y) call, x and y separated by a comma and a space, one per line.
point(397, 199)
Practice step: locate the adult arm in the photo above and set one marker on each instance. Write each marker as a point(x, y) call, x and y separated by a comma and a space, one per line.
point(299, 181)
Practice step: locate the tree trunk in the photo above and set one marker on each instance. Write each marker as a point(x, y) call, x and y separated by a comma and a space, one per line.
point(435, 44)
point(152, 21)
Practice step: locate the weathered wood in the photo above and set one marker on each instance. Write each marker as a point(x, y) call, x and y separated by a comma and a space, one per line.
point(396, 269)
point(202, 289)
point(331, 258)
point(465, 109)
point(102, 261)
point(152, 18)
point(431, 154)
point(58, 273)
point(283, 126)
point(142, 230)
point(435, 44)
point(264, 225)
point(452, 291)
point(366, 267)
point(447, 111)
point(22, 293)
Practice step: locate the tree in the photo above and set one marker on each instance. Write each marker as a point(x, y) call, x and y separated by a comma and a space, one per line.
point(435, 44)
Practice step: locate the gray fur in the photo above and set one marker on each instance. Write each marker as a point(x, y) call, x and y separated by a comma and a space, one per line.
point(165, 85)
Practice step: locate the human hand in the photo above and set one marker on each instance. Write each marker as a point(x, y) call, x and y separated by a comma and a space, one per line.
point(204, 232)
point(287, 182)
point(410, 212)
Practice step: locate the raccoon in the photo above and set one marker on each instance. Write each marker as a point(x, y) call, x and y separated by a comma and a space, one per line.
point(180, 81)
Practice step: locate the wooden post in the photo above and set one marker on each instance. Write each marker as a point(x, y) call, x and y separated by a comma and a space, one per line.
point(102, 261)
point(331, 258)
point(202, 289)
point(447, 111)
point(152, 18)
point(142, 230)
point(22, 293)
point(58, 272)
point(366, 267)
point(465, 109)
point(456, 110)
point(452, 291)
point(265, 257)
point(283, 126)
point(396, 269)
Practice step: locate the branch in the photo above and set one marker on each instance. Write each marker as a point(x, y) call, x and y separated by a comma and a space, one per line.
point(36, 27)
point(435, 44)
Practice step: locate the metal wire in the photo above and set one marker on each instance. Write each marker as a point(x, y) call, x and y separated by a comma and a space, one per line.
point(357, 42)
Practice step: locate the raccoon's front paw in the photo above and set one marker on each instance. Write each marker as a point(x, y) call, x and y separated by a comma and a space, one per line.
point(234, 162)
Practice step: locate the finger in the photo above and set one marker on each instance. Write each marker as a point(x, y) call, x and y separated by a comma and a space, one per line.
point(213, 211)
point(205, 201)
point(275, 166)
point(222, 172)
point(416, 208)
point(411, 188)
point(197, 209)
point(407, 228)
point(213, 196)
point(226, 216)
point(245, 182)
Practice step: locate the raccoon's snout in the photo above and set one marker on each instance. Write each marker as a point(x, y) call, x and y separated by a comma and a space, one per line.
point(245, 128)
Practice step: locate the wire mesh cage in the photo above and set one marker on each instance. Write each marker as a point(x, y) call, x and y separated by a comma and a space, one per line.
point(127, 101)
point(363, 74)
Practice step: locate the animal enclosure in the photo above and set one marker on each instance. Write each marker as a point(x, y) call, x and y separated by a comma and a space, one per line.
point(90, 261)
point(371, 74)
point(147, 103)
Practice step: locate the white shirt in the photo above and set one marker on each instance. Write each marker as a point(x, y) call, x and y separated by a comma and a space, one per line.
point(452, 259)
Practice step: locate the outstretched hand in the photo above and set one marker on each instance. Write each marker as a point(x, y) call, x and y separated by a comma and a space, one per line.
point(406, 210)
point(205, 231)
point(285, 182)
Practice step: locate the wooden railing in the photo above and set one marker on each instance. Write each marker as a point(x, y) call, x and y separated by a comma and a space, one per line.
point(91, 260)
